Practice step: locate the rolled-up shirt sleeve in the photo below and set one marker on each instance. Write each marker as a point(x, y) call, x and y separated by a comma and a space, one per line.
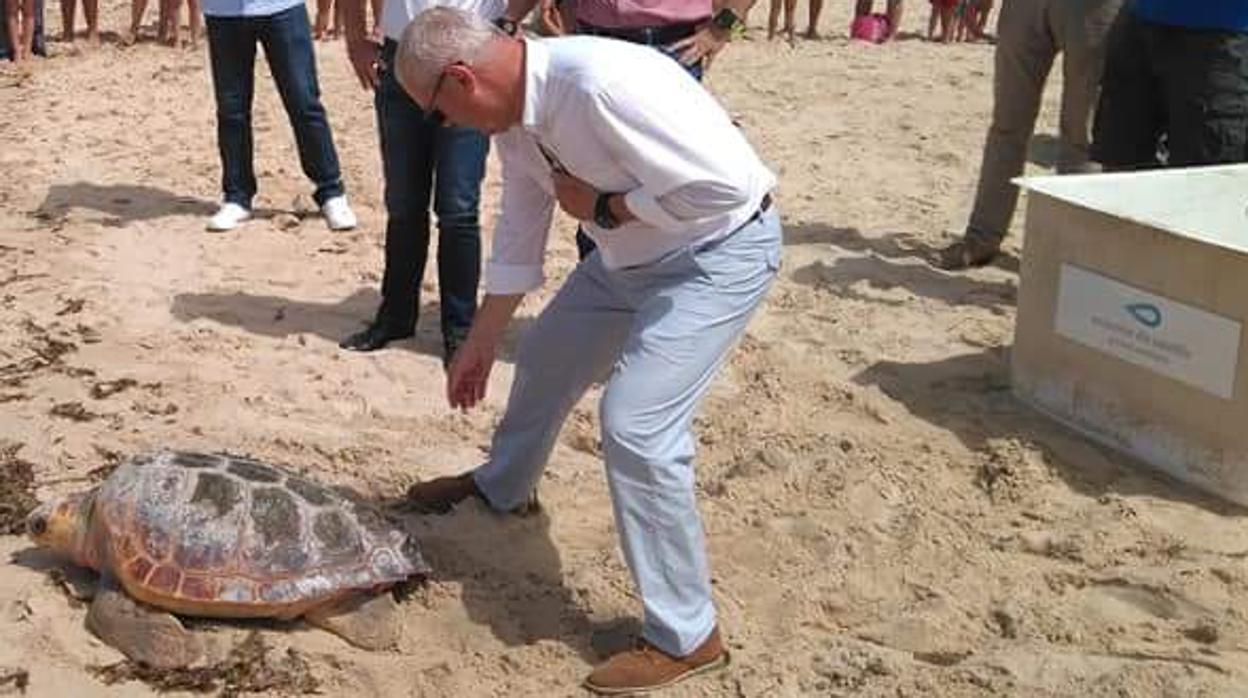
point(519, 247)
point(684, 177)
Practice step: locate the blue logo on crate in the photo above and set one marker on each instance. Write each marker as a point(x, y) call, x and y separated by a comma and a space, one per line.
point(1146, 314)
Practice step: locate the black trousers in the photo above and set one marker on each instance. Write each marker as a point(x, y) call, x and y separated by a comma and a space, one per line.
point(1172, 96)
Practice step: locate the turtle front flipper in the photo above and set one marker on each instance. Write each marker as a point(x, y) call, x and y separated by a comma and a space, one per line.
point(142, 633)
point(368, 621)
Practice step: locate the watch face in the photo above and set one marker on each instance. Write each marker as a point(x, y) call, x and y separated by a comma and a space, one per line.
point(602, 212)
point(508, 26)
point(725, 19)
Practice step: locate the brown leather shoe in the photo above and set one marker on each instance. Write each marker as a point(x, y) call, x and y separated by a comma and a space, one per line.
point(968, 253)
point(646, 668)
point(439, 495)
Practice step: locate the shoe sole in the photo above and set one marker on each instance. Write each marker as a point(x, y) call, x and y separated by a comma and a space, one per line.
point(717, 664)
point(218, 229)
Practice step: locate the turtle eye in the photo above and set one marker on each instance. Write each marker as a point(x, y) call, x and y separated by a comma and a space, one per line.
point(38, 525)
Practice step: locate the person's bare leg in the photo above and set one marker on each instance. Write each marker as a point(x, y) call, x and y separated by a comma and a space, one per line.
point(812, 29)
point(172, 21)
point(69, 8)
point(162, 21)
point(981, 22)
point(895, 9)
point(137, 8)
point(91, 10)
point(790, 7)
point(195, 21)
point(376, 5)
point(28, 27)
point(773, 19)
point(932, 18)
point(13, 21)
point(322, 19)
point(946, 24)
point(862, 8)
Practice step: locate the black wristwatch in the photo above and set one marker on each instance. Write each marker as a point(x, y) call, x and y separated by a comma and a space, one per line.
point(726, 19)
point(509, 26)
point(603, 218)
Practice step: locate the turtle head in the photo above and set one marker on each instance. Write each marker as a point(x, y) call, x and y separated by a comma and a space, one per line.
point(61, 525)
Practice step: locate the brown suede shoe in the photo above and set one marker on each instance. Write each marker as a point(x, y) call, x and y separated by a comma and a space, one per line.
point(439, 495)
point(647, 668)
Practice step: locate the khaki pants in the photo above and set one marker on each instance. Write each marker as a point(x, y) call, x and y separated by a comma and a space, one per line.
point(1030, 35)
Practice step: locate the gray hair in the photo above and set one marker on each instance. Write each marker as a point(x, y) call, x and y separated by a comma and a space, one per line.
point(437, 38)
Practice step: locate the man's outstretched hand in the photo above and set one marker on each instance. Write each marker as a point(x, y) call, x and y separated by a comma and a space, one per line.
point(469, 372)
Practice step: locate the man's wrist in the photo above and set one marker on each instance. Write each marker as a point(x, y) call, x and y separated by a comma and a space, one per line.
point(493, 317)
point(724, 21)
point(603, 216)
point(509, 26)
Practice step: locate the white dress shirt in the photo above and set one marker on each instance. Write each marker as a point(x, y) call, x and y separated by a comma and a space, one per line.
point(397, 14)
point(625, 119)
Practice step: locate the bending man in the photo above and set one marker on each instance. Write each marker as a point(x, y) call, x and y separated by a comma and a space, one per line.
point(626, 141)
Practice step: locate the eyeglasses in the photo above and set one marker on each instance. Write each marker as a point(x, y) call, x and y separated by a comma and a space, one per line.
point(435, 116)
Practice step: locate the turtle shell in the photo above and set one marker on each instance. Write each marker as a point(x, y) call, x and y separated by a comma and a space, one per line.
point(225, 536)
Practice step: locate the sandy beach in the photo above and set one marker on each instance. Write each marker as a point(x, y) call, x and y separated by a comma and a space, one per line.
point(883, 517)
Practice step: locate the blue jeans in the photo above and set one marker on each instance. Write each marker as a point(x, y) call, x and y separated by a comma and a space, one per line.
point(423, 161)
point(585, 244)
point(287, 41)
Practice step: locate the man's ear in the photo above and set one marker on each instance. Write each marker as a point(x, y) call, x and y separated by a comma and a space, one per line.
point(463, 75)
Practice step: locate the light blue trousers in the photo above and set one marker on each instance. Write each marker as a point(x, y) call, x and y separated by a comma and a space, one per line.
point(657, 333)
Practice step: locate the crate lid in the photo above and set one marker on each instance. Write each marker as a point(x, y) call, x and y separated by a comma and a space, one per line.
point(1208, 204)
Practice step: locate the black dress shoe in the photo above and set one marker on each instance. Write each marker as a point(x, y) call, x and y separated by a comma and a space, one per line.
point(968, 253)
point(376, 336)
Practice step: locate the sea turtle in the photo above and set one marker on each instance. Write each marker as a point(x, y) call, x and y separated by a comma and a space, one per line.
point(226, 537)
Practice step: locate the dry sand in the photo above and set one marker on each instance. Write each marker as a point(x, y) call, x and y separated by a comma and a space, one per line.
point(884, 519)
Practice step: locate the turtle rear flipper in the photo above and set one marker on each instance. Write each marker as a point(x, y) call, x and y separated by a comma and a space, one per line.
point(142, 633)
point(370, 622)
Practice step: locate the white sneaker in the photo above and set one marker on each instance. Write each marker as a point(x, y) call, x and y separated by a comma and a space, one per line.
point(338, 214)
point(228, 217)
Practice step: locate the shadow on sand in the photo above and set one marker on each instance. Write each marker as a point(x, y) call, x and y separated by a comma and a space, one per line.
point(895, 246)
point(122, 204)
point(275, 316)
point(970, 395)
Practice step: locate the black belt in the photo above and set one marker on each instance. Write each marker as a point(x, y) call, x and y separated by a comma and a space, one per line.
point(762, 208)
point(649, 36)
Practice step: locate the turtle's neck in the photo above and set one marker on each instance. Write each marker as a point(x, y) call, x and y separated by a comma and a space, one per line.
point(88, 544)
